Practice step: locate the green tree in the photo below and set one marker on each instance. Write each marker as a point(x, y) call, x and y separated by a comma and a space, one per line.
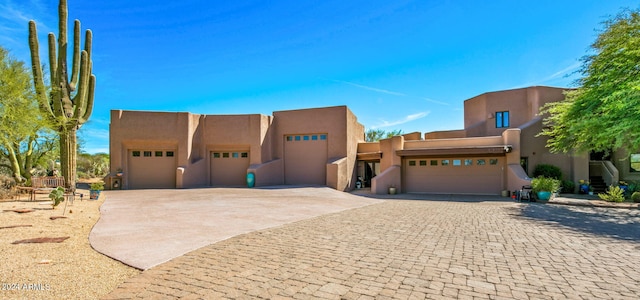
point(374, 135)
point(24, 140)
point(603, 113)
point(93, 165)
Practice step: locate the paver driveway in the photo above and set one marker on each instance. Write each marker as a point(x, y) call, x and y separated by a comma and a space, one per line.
point(401, 249)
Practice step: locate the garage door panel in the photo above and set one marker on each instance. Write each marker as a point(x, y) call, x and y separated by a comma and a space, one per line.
point(305, 159)
point(152, 169)
point(229, 168)
point(459, 175)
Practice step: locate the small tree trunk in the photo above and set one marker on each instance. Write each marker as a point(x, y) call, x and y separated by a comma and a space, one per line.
point(15, 165)
point(68, 153)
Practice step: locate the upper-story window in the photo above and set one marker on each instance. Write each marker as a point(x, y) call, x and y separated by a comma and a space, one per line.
point(502, 119)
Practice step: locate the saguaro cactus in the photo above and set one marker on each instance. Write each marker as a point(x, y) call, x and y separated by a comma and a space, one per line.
point(70, 101)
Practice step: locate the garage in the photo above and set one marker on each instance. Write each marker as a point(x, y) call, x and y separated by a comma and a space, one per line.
point(229, 167)
point(152, 169)
point(305, 159)
point(464, 175)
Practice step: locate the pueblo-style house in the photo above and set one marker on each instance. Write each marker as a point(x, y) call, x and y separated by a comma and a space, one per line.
point(496, 151)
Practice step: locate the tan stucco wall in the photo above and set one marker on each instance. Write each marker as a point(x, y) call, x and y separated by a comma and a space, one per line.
point(343, 131)
point(194, 137)
point(620, 159)
point(522, 104)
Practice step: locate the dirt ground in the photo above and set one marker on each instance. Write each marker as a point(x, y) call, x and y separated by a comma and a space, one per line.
point(69, 269)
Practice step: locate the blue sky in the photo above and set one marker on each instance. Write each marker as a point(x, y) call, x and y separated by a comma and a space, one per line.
point(405, 65)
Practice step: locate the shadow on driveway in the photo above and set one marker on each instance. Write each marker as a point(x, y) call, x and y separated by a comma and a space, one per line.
point(621, 224)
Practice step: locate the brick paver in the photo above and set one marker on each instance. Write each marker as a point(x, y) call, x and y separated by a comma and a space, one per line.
point(402, 249)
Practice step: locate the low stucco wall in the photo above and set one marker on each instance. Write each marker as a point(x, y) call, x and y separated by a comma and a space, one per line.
point(389, 177)
point(516, 177)
point(269, 173)
point(337, 176)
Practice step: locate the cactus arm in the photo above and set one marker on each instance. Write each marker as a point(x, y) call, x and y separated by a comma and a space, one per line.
point(63, 77)
point(55, 106)
point(88, 45)
point(80, 98)
point(90, 95)
point(36, 67)
point(76, 56)
point(53, 64)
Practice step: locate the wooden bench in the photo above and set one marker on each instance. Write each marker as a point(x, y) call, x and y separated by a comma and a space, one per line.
point(41, 184)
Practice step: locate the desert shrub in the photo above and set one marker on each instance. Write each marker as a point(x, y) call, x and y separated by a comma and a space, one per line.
point(6, 186)
point(634, 186)
point(545, 184)
point(568, 186)
point(613, 194)
point(548, 171)
point(635, 197)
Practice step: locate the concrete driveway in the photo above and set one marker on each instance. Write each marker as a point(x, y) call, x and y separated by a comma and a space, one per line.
point(144, 228)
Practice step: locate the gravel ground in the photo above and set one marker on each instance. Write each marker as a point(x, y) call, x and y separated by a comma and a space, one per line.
point(67, 270)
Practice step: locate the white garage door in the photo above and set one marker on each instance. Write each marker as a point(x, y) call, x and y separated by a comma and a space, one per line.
point(152, 169)
point(229, 168)
point(305, 159)
point(466, 175)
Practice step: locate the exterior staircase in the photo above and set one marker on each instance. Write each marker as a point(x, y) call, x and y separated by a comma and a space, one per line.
point(598, 184)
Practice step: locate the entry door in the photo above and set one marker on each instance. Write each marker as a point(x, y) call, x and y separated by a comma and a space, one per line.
point(305, 159)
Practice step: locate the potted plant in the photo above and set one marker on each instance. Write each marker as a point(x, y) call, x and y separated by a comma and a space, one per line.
point(392, 190)
point(56, 196)
point(624, 186)
point(94, 190)
point(544, 187)
point(584, 186)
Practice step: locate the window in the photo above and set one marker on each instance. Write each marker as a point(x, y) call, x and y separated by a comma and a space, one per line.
point(297, 137)
point(468, 162)
point(423, 162)
point(147, 154)
point(412, 162)
point(159, 153)
point(445, 162)
point(493, 161)
point(216, 154)
point(323, 137)
point(634, 161)
point(244, 154)
point(433, 162)
point(481, 162)
point(289, 138)
point(502, 119)
point(135, 153)
point(457, 162)
point(169, 153)
point(235, 154)
point(314, 137)
point(225, 154)
point(306, 137)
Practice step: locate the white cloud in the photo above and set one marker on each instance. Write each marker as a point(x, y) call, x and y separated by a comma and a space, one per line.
point(370, 88)
point(561, 73)
point(388, 92)
point(406, 119)
point(435, 101)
